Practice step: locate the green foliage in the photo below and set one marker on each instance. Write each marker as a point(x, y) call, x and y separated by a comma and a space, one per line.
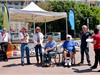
point(1, 18)
point(82, 12)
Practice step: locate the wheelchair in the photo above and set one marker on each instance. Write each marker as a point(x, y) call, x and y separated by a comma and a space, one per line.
point(69, 60)
point(47, 58)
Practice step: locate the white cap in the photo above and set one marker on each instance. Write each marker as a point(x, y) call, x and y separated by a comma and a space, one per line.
point(69, 36)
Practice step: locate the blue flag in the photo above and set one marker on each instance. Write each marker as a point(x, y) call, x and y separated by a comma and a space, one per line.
point(71, 19)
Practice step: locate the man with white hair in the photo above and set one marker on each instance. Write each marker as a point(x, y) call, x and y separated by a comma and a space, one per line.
point(49, 51)
point(5, 39)
point(84, 46)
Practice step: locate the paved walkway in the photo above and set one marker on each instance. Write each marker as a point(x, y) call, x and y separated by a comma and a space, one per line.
point(13, 67)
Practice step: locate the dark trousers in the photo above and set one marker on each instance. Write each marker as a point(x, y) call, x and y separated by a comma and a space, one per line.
point(25, 48)
point(38, 51)
point(86, 51)
point(4, 47)
point(97, 57)
point(46, 58)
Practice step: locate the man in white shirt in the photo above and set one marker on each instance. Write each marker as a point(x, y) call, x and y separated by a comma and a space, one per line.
point(5, 39)
point(38, 41)
point(24, 39)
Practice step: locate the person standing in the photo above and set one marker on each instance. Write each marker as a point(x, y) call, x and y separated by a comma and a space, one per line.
point(0, 39)
point(5, 40)
point(84, 45)
point(38, 41)
point(24, 38)
point(96, 41)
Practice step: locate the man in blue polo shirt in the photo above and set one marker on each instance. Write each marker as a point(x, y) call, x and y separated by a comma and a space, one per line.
point(49, 49)
point(69, 48)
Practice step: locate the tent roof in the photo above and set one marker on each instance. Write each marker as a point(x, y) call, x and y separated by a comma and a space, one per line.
point(33, 13)
point(33, 7)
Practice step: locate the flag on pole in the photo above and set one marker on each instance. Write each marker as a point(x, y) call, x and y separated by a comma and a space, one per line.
point(1, 18)
point(71, 19)
point(6, 18)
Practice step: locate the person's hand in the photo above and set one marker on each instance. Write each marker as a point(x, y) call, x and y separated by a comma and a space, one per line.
point(45, 52)
point(38, 42)
point(10, 42)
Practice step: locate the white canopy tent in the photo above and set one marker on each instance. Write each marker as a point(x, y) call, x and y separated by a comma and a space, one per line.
point(33, 13)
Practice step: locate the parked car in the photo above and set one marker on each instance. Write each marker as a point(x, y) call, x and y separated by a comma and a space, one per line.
point(15, 37)
point(56, 35)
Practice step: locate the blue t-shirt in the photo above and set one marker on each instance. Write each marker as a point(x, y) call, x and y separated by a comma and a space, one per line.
point(69, 45)
point(51, 44)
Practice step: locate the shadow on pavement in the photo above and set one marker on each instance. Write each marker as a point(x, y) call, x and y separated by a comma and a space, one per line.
point(14, 65)
point(11, 65)
point(82, 71)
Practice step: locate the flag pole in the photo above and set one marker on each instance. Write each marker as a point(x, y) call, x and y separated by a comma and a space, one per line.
point(6, 17)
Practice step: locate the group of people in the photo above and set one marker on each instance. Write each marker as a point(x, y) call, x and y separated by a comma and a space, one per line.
point(68, 46)
point(85, 34)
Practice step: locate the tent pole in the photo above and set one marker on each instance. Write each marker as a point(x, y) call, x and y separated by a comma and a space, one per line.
point(66, 26)
point(45, 29)
point(34, 27)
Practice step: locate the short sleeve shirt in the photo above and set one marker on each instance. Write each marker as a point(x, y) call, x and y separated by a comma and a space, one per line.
point(96, 38)
point(69, 45)
point(84, 36)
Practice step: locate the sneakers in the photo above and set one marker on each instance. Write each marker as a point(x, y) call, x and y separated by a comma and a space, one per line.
point(98, 70)
point(89, 64)
point(66, 64)
point(5, 60)
point(28, 63)
point(93, 67)
point(80, 63)
point(22, 64)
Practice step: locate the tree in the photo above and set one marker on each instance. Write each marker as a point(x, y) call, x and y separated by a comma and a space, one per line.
point(82, 12)
point(1, 18)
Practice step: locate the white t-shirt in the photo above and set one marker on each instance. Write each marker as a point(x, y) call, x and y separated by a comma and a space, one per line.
point(24, 39)
point(40, 37)
point(0, 37)
point(5, 37)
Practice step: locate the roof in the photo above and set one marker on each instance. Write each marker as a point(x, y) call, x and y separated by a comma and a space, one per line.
point(33, 13)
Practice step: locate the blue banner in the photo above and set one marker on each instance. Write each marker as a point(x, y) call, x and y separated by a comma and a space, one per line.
point(71, 19)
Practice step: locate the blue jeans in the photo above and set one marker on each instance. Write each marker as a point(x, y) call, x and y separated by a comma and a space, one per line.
point(38, 51)
point(24, 47)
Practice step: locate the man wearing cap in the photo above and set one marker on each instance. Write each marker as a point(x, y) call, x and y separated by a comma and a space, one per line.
point(85, 34)
point(38, 41)
point(69, 48)
point(5, 39)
